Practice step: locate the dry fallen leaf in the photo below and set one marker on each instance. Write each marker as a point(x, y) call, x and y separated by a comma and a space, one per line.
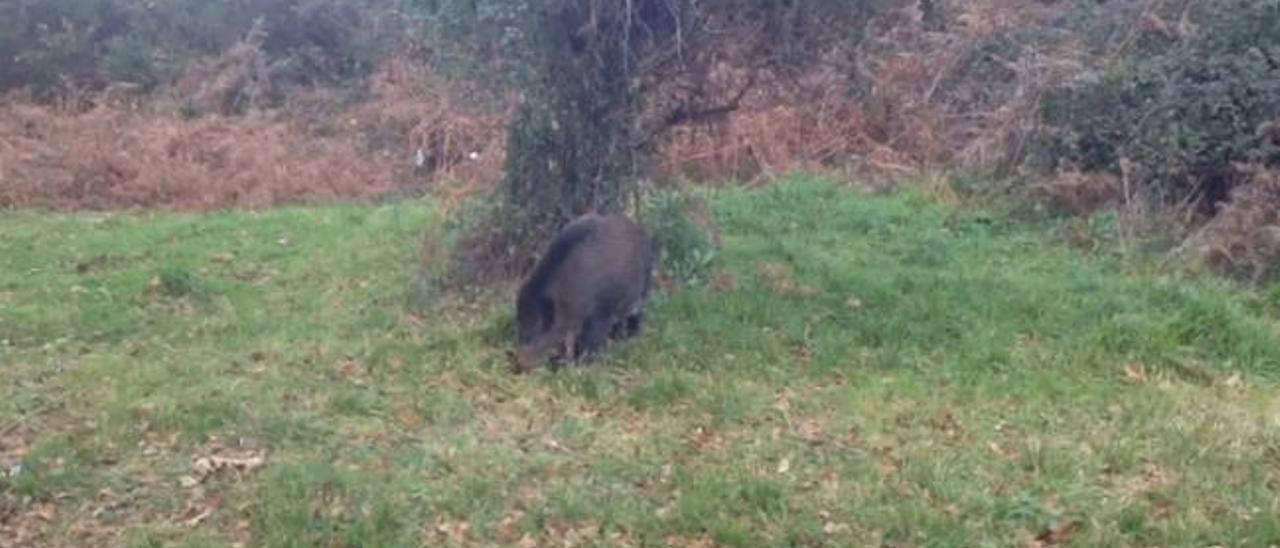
point(664, 511)
point(247, 463)
point(784, 465)
point(506, 530)
point(685, 542)
point(995, 448)
point(1135, 372)
point(352, 370)
point(1060, 534)
point(811, 431)
point(408, 416)
point(1233, 381)
point(833, 528)
point(701, 542)
point(946, 423)
point(723, 281)
point(782, 280)
point(705, 440)
point(830, 484)
point(199, 508)
point(47, 512)
point(199, 518)
point(207, 466)
point(1162, 509)
point(456, 531)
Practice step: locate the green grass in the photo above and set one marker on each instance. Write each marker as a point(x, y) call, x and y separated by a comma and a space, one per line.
point(864, 370)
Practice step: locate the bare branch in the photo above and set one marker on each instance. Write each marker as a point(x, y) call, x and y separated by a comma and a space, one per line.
point(685, 114)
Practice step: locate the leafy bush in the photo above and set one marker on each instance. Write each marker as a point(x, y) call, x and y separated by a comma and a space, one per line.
point(179, 283)
point(1176, 123)
point(684, 249)
point(137, 61)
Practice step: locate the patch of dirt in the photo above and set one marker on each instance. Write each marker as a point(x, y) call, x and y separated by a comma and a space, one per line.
point(23, 526)
point(1153, 477)
point(15, 441)
point(782, 280)
point(1054, 536)
point(723, 282)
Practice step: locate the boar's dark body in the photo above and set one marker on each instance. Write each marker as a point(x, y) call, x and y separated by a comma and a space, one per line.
point(591, 284)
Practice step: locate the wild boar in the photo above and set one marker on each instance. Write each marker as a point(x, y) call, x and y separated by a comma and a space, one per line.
point(589, 286)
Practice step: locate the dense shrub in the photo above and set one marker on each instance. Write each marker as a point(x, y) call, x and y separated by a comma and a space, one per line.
point(1175, 124)
point(1243, 240)
point(685, 250)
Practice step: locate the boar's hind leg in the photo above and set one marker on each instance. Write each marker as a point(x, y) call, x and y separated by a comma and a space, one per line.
point(629, 326)
point(595, 333)
point(634, 323)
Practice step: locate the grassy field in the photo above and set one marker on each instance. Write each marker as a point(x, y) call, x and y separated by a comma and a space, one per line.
point(864, 370)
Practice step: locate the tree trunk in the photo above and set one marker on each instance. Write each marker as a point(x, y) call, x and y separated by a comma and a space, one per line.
point(569, 150)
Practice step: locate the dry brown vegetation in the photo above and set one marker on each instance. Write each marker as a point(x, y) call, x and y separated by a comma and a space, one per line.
point(1243, 240)
point(107, 158)
point(114, 150)
point(118, 150)
point(923, 98)
point(925, 95)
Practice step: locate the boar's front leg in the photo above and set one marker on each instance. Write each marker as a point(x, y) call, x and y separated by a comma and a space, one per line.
point(595, 334)
point(529, 356)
